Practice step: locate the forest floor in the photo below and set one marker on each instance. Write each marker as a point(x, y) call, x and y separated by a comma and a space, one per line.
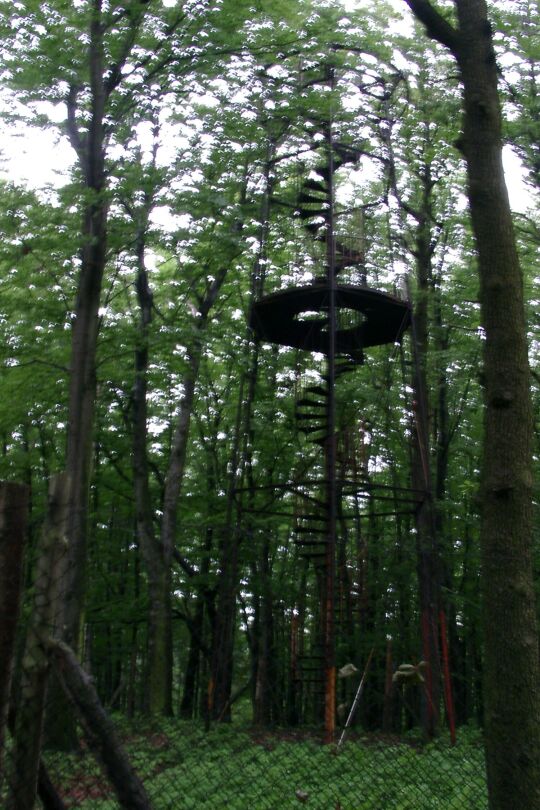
point(183, 767)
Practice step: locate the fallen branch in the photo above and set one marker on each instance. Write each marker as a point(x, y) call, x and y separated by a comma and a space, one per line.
point(99, 730)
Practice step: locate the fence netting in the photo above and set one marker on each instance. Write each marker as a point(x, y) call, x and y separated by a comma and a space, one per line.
point(80, 730)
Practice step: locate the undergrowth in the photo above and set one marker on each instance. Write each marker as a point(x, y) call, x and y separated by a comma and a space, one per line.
point(185, 769)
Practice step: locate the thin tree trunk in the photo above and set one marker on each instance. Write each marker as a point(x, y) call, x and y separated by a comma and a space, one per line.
point(158, 555)
point(443, 436)
point(426, 540)
point(196, 631)
point(162, 647)
point(388, 714)
point(158, 695)
point(187, 706)
point(266, 670)
point(261, 649)
point(225, 619)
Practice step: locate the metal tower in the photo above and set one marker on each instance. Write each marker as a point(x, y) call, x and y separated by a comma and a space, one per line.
point(340, 321)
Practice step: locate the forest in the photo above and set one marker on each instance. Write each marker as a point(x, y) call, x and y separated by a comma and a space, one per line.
point(270, 373)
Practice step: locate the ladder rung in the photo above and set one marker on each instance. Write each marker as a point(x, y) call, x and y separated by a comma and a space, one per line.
point(321, 441)
point(313, 429)
point(310, 403)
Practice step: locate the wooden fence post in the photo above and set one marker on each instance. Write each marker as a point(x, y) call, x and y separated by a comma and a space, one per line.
point(13, 516)
point(48, 577)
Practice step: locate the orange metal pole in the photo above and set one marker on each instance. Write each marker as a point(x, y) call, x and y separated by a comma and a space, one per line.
point(448, 697)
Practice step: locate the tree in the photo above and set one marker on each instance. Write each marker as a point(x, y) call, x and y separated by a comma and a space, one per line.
point(511, 670)
point(88, 85)
point(127, 48)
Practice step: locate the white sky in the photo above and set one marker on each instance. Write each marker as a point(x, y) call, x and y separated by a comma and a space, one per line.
point(35, 158)
point(39, 159)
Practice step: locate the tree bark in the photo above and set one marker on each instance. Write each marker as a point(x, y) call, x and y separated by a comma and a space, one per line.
point(511, 667)
point(46, 791)
point(266, 677)
point(221, 669)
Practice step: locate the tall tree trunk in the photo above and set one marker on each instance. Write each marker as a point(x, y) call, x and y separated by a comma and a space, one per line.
point(263, 634)
point(82, 380)
point(89, 143)
point(177, 460)
point(188, 704)
point(426, 540)
point(443, 436)
point(158, 693)
point(162, 648)
point(82, 386)
point(158, 554)
point(511, 666)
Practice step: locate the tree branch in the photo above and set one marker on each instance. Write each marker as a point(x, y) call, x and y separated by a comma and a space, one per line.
point(436, 26)
point(136, 15)
point(75, 138)
point(183, 563)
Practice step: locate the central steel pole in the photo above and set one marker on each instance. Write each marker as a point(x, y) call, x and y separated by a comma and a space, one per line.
point(330, 452)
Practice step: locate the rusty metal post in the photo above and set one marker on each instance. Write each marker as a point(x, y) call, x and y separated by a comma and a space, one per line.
point(330, 460)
